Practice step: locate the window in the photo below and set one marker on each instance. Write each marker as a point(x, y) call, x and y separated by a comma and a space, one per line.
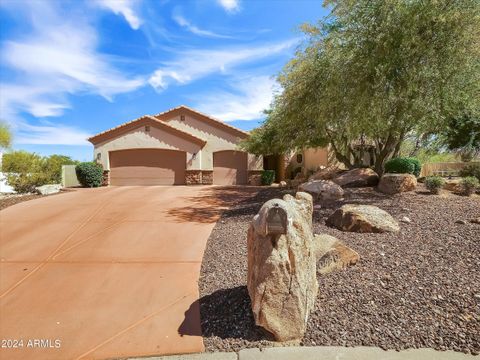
point(299, 158)
point(147, 128)
point(182, 117)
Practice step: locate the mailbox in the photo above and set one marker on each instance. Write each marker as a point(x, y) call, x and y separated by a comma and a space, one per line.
point(276, 221)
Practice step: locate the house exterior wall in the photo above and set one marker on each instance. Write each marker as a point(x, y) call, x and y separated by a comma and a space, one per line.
point(313, 158)
point(156, 138)
point(217, 140)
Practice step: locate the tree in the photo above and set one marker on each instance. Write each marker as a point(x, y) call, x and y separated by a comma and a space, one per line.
point(5, 135)
point(377, 71)
point(463, 135)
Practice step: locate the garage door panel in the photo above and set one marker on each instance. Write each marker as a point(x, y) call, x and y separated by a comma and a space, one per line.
point(230, 168)
point(147, 167)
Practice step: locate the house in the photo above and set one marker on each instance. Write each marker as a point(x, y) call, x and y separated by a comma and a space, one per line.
point(175, 147)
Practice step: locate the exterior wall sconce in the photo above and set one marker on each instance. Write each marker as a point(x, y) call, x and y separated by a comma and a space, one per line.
point(194, 156)
point(182, 117)
point(147, 128)
point(99, 156)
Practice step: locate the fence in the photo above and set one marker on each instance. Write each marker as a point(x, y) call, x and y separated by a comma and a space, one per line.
point(69, 176)
point(444, 168)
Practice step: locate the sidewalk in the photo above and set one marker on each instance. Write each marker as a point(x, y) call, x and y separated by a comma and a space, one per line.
point(322, 353)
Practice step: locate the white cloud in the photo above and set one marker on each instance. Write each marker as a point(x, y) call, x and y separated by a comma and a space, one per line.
point(180, 20)
point(51, 135)
point(248, 100)
point(194, 64)
point(58, 58)
point(230, 6)
point(126, 8)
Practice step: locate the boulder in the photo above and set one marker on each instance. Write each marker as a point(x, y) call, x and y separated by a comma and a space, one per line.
point(362, 218)
point(397, 183)
point(359, 177)
point(282, 282)
point(327, 173)
point(48, 189)
point(283, 184)
point(323, 190)
point(332, 254)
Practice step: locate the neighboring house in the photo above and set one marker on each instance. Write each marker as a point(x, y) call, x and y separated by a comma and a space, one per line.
point(178, 146)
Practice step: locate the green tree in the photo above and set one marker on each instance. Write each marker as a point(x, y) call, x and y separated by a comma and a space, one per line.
point(5, 135)
point(52, 167)
point(463, 135)
point(377, 71)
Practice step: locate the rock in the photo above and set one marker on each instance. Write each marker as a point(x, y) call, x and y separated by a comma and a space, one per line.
point(362, 218)
point(283, 184)
point(323, 190)
point(359, 177)
point(452, 185)
point(397, 183)
point(255, 180)
point(461, 222)
point(327, 173)
point(475, 221)
point(406, 219)
point(282, 281)
point(48, 189)
point(332, 254)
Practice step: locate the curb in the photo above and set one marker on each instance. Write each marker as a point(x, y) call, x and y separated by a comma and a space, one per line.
point(322, 353)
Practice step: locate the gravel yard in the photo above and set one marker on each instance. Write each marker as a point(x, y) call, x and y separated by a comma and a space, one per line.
point(417, 288)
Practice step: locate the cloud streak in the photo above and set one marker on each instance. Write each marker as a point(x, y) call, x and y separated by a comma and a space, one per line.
point(192, 65)
point(125, 8)
point(180, 20)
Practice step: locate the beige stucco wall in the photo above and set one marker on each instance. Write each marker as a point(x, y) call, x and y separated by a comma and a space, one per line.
point(154, 139)
point(216, 139)
point(313, 158)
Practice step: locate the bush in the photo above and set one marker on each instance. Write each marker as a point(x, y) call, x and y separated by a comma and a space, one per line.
point(268, 177)
point(471, 170)
point(89, 174)
point(434, 183)
point(468, 185)
point(26, 182)
point(53, 167)
point(24, 171)
point(403, 165)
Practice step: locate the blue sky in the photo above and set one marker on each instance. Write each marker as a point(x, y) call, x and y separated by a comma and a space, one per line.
point(70, 69)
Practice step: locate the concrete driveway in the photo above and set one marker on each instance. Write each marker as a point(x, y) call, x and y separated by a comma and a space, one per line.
point(107, 272)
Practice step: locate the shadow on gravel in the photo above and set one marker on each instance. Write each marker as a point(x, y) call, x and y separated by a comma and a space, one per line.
point(225, 313)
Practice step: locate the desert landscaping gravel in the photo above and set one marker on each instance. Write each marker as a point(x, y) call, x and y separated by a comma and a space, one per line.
point(413, 289)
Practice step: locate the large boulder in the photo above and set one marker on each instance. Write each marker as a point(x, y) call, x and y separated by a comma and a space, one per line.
point(362, 218)
point(282, 281)
point(360, 177)
point(323, 190)
point(326, 173)
point(397, 183)
point(332, 254)
point(48, 189)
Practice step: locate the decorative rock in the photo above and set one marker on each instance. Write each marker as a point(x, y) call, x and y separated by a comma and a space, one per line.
point(475, 221)
point(327, 173)
point(48, 189)
point(406, 219)
point(397, 183)
point(282, 281)
point(363, 218)
point(283, 184)
point(332, 254)
point(359, 177)
point(461, 222)
point(323, 190)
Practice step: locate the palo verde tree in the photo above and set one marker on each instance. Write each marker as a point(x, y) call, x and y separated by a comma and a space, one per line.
point(376, 71)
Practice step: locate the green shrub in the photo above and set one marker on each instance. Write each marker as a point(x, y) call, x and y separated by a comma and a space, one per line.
point(24, 171)
point(26, 182)
point(403, 165)
point(471, 170)
point(468, 185)
point(89, 174)
point(418, 166)
point(268, 177)
point(52, 167)
point(434, 183)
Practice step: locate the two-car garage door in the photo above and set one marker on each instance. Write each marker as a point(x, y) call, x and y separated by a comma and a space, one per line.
point(147, 167)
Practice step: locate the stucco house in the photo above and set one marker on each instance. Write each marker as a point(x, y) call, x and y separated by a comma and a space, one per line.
point(175, 147)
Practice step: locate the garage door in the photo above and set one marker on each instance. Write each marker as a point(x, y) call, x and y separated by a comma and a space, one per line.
point(147, 167)
point(230, 168)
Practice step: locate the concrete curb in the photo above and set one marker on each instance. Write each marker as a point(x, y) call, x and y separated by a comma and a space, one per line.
point(322, 353)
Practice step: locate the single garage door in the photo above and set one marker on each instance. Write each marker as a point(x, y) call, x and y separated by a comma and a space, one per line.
point(147, 167)
point(230, 167)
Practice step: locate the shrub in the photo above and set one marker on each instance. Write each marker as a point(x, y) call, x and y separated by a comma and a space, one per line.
point(89, 174)
point(468, 185)
point(434, 183)
point(403, 165)
point(268, 177)
point(24, 171)
point(471, 170)
point(52, 167)
point(26, 182)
